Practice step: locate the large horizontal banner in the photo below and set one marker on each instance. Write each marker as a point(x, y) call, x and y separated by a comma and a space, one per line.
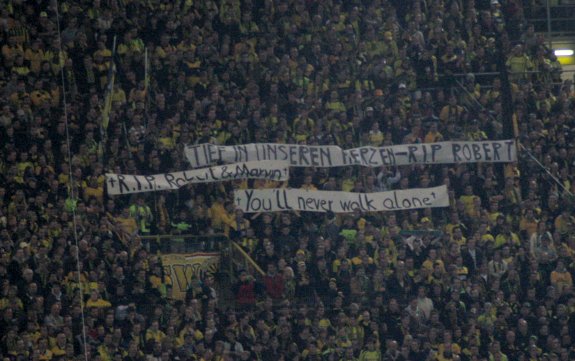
point(274, 200)
point(126, 184)
point(201, 155)
point(184, 268)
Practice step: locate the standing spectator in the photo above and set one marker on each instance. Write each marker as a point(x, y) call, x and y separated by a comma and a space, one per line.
point(246, 291)
point(497, 266)
point(560, 278)
point(518, 63)
point(142, 214)
point(274, 283)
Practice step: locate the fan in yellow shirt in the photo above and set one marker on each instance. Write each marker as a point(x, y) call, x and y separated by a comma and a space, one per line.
point(468, 199)
point(334, 103)
point(507, 237)
point(528, 222)
point(432, 260)
point(376, 136)
point(348, 179)
point(561, 278)
point(93, 190)
point(160, 281)
point(564, 222)
point(370, 353)
point(44, 354)
point(189, 330)
point(307, 184)
point(96, 301)
point(433, 135)
point(118, 94)
point(125, 224)
point(154, 332)
point(218, 213)
point(59, 348)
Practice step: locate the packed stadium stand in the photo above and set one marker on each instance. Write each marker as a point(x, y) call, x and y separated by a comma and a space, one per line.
point(91, 87)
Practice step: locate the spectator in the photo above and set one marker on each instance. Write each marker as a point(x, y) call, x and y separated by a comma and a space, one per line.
point(96, 301)
point(518, 63)
point(143, 215)
point(274, 283)
point(246, 291)
point(560, 278)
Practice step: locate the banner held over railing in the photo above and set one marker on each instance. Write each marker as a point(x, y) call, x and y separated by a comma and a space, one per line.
point(126, 183)
point(184, 268)
point(491, 151)
point(275, 200)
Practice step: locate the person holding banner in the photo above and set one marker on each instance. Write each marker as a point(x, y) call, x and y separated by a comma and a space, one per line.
point(308, 184)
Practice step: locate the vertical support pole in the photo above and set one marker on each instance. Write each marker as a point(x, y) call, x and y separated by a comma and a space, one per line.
point(549, 40)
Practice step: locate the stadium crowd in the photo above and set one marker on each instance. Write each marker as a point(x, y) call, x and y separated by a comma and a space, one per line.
point(488, 278)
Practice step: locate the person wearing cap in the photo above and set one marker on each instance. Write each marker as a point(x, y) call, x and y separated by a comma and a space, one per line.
point(473, 131)
point(368, 118)
point(332, 292)
point(497, 266)
point(403, 95)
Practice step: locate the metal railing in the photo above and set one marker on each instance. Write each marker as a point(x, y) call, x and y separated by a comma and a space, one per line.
point(478, 106)
point(241, 260)
point(185, 243)
point(553, 19)
point(422, 233)
point(484, 79)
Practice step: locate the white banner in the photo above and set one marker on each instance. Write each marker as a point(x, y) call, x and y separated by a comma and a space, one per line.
point(126, 184)
point(201, 155)
point(274, 200)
